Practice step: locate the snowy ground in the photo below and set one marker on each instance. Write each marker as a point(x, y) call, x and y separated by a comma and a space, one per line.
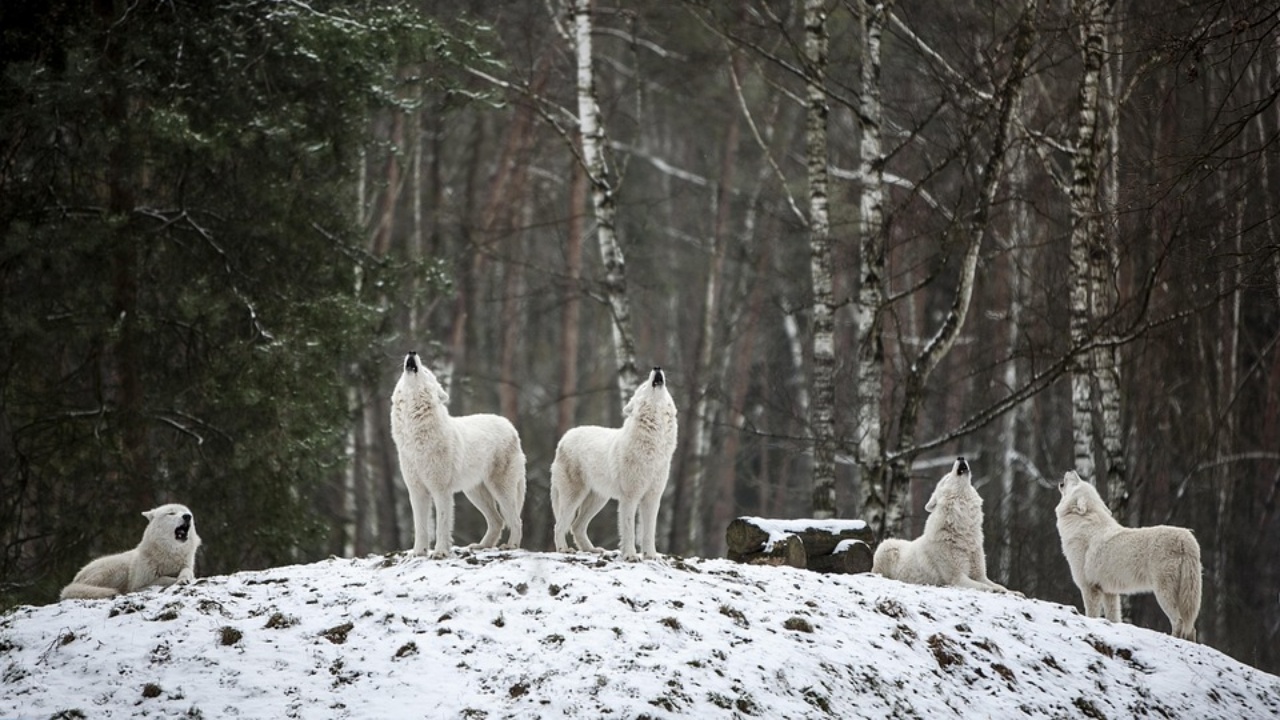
point(531, 635)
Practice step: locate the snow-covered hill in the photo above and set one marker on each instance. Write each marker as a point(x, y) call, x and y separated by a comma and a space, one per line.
point(530, 635)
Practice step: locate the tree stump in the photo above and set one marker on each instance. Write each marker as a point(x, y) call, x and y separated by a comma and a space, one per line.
point(827, 546)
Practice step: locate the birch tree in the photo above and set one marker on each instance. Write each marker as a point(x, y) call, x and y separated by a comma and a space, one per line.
point(594, 140)
point(868, 435)
point(1088, 256)
point(944, 338)
point(822, 407)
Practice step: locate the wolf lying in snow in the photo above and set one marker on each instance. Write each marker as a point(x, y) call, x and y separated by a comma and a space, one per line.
point(166, 555)
point(440, 455)
point(1108, 560)
point(950, 550)
point(629, 464)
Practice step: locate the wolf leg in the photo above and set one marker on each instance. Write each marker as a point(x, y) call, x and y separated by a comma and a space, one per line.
point(648, 527)
point(483, 499)
point(627, 509)
point(590, 506)
point(444, 525)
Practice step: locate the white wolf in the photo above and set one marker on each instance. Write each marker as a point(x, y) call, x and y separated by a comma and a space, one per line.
point(440, 455)
point(1108, 560)
point(950, 550)
point(629, 464)
point(166, 555)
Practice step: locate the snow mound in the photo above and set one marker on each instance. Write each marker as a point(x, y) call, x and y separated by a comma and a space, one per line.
point(519, 634)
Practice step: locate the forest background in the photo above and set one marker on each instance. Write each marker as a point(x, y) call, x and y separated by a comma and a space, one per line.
point(861, 238)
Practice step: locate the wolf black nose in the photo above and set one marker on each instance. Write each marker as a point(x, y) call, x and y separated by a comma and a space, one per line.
point(411, 362)
point(658, 378)
point(186, 517)
point(962, 467)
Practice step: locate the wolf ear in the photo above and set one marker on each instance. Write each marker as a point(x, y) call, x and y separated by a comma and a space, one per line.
point(442, 396)
point(148, 514)
point(929, 506)
point(1080, 507)
point(626, 409)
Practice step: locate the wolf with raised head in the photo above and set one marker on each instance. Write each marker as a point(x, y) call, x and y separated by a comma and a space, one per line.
point(1108, 560)
point(630, 464)
point(950, 550)
point(440, 455)
point(165, 556)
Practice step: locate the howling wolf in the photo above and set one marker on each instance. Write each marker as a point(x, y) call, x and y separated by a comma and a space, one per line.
point(166, 555)
point(629, 464)
point(440, 455)
point(1108, 560)
point(950, 550)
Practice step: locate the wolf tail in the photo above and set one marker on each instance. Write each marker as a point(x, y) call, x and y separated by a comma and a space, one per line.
point(1188, 589)
point(885, 561)
point(87, 592)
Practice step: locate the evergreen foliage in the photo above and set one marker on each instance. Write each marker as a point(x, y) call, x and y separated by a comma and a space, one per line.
point(181, 268)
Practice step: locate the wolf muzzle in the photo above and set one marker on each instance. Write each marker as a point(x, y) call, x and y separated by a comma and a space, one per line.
point(181, 532)
point(658, 378)
point(411, 362)
point(962, 467)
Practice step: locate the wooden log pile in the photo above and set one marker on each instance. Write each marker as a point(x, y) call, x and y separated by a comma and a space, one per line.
point(826, 546)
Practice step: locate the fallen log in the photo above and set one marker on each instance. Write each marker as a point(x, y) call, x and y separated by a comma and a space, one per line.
point(832, 546)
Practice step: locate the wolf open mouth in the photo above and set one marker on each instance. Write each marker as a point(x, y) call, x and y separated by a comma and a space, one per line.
point(963, 467)
point(658, 378)
point(181, 532)
point(411, 362)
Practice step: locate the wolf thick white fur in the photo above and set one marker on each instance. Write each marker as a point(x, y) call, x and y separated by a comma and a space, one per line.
point(166, 555)
point(440, 455)
point(950, 550)
point(630, 464)
point(1109, 560)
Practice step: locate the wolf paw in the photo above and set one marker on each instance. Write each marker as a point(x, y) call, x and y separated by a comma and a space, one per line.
point(438, 554)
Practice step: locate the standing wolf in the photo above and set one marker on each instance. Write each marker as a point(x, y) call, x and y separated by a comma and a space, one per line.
point(440, 455)
point(166, 555)
point(950, 550)
point(1108, 560)
point(629, 464)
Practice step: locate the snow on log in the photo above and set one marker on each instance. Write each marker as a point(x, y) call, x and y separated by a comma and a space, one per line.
point(828, 546)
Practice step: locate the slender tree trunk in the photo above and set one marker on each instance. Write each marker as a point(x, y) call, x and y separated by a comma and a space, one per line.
point(822, 409)
point(470, 266)
point(120, 184)
point(349, 510)
point(1107, 360)
point(1017, 256)
point(1087, 249)
point(570, 322)
point(940, 345)
point(594, 140)
point(707, 405)
point(740, 368)
point(869, 372)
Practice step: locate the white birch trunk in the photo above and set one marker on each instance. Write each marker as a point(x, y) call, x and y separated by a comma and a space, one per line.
point(1012, 419)
point(594, 141)
point(799, 391)
point(1107, 360)
point(940, 345)
point(822, 409)
point(872, 492)
point(1019, 256)
point(1086, 241)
